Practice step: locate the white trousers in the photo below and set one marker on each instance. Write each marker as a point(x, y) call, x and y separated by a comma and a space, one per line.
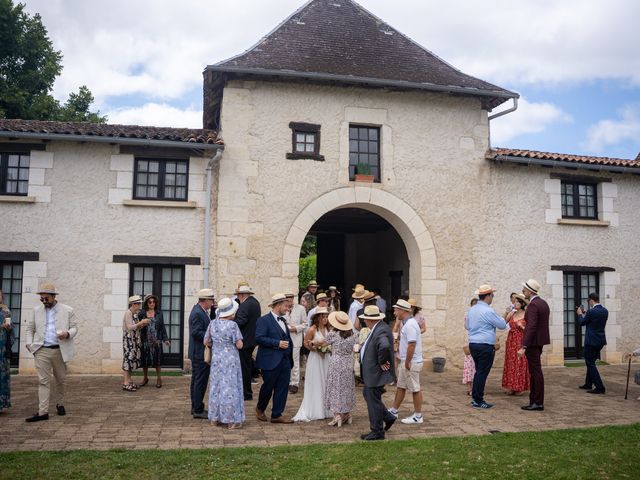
point(49, 363)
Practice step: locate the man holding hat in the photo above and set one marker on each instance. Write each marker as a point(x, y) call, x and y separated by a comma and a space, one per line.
point(536, 336)
point(248, 313)
point(49, 337)
point(275, 359)
point(481, 324)
point(198, 325)
point(376, 370)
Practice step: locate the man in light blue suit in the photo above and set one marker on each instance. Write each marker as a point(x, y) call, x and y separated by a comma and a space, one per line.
point(275, 359)
point(595, 319)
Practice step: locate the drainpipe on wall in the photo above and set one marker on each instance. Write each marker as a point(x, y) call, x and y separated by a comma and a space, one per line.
point(499, 114)
point(207, 218)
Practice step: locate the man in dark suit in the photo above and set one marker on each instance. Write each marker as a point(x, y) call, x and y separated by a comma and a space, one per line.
point(595, 320)
point(536, 336)
point(246, 318)
point(275, 359)
point(376, 370)
point(198, 325)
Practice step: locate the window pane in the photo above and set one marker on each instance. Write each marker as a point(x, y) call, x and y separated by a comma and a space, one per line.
point(23, 174)
point(141, 191)
point(310, 138)
point(182, 167)
point(181, 193)
point(153, 179)
point(353, 133)
point(363, 158)
point(299, 147)
point(363, 134)
point(12, 174)
point(12, 187)
point(373, 134)
point(24, 161)
point(143, 165)
point(154, 166)
point(310, 147)
point(299, 137)
point(363, 147)
point(14, 160)
point(170, 179)
point(23, 187)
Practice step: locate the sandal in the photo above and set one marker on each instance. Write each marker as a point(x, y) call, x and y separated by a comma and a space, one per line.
point(233, 426)
point(158, 384)
point(144, 382)
point(129, 387)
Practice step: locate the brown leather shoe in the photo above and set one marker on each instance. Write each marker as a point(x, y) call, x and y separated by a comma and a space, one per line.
point(282, 419)
point(260, 415)
point(293, 389)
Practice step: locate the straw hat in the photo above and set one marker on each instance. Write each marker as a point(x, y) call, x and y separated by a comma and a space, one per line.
point(521, 297)
point(371, 312)
point(135, 299)
point(532, 286)
point(403, 305)
point(340, 321)
point(358, 286)
point(47, 289)
point(320, 311)
point(321, 296)
point(334, 288)
point(277, 298)
point(226, 308)
point(206, 294)
point(312, 283)
point(359, 293)
point(414, 303)
point(485, 290)
point(289, 295)
point(369, 295)
point(244, 289)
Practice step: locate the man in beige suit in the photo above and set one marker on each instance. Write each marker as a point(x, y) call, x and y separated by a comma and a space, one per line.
point(296, 320)
point(49, 338)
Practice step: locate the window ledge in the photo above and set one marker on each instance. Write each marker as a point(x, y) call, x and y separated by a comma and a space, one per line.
point(584, 222)
point(159, 204)
point(305, 156)
point(17, 199)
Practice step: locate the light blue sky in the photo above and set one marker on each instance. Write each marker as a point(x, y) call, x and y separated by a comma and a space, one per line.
point(576, 63)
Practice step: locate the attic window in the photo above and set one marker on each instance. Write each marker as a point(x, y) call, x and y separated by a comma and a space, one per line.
point(305, 142)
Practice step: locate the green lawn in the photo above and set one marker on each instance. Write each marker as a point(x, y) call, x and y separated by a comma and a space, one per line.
point(607, 453)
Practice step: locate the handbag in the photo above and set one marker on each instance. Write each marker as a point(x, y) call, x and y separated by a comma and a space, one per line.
point(207, 354)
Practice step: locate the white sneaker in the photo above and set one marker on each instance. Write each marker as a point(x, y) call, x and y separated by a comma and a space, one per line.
point(412, 419)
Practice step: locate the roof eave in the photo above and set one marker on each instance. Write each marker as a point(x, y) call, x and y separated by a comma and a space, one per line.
point(140, 142)
point(597, 167)
point(500, 95)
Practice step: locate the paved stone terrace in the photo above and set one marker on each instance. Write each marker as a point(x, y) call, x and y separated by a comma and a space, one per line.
point(102, 416)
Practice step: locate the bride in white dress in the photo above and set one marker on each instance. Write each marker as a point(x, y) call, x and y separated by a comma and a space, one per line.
point(315, 377)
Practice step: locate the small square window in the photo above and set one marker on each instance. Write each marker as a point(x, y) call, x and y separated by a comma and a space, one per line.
point(305, 141)
point(579, 200)
point(14, 173)
point(161, 179)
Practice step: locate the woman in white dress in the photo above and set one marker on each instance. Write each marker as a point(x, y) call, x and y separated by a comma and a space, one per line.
point(315, 377)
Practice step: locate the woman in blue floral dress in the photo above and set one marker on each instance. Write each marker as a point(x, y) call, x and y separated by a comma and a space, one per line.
point(226, 396)
point(6, 339)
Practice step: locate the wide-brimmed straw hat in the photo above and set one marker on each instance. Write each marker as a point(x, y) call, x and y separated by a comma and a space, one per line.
point(521, 297)
point(340, 321)
point(135, 299)
point(532, 285)
point(244, 289)
point(226, 308)
point(312, 283)
point(403, 305)
point(206, 294)
point(371, 312)
point(485, 289)
point(321, 296)
point(358, 286)
point(47, 289)
point(369, 295)
point(334, 288)
point(359, 293)
point(319, 311)
point(278, 298)
point(414, 303)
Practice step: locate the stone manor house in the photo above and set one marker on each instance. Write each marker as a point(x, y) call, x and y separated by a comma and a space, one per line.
point(106, 211)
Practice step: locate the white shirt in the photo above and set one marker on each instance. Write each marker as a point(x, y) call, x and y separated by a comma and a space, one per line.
point(410, 333)
point(50, 336)
point(353, 310)
point(366, 341)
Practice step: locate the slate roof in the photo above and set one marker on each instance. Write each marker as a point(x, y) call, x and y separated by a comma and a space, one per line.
point(340, 40)
point(75, 129)
point(509, 153)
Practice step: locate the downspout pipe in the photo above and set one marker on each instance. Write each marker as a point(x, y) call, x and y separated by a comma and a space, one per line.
point(207, 218)
point(508, 110)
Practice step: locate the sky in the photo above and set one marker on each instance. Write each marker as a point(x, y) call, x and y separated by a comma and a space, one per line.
point(575, 63)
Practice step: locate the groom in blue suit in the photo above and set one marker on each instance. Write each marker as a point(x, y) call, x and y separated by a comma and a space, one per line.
point(275, 359)
point(595, 319)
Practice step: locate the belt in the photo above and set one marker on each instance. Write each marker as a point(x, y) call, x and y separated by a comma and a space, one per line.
point(51, 346)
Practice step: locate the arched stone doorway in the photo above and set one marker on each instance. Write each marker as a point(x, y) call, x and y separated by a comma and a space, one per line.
point(423, 282)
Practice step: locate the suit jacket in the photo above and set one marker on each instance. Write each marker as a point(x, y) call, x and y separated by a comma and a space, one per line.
point(198, 325)
point(379, 350)
point(246, 317)
point(298, 319)
point(65, 319)
point(595, 320)
point(536, 331)
point(268, 336)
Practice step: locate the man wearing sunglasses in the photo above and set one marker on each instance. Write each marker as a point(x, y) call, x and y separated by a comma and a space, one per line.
point(49, 338)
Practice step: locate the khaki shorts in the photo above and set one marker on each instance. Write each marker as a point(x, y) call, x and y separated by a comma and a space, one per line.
point(409, 380)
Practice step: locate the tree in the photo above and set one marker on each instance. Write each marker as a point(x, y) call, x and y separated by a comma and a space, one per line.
point(29, 65)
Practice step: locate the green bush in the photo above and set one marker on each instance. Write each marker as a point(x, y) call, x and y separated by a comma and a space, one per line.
point(307, 270)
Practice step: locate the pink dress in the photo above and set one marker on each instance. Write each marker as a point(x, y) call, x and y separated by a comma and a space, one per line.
point(468, 369)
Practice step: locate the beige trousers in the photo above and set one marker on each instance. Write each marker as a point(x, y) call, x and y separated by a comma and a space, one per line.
point(48, 361)
point(295, 371)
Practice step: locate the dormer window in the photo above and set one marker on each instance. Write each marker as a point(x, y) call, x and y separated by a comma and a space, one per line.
point(305, 141)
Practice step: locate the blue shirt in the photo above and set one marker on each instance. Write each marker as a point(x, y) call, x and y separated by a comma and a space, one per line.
point(482, 321)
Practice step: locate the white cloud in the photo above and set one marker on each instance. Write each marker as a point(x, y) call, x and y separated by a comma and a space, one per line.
point(160, 115)
point(610, 132)
point(528, 118)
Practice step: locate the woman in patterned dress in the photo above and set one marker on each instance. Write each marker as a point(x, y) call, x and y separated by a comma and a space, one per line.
point(152, 338)
point(340, 396)
point(131, 342)
point(515, 375)
point(6, 339)
point(226, 392)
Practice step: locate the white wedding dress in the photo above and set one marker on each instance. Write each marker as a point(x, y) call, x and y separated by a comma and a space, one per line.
point(315, 385)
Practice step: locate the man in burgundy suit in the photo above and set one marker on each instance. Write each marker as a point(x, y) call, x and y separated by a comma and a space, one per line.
point(536, 336)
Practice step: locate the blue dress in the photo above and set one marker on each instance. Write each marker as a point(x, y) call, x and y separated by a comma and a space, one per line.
point(226, 396)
